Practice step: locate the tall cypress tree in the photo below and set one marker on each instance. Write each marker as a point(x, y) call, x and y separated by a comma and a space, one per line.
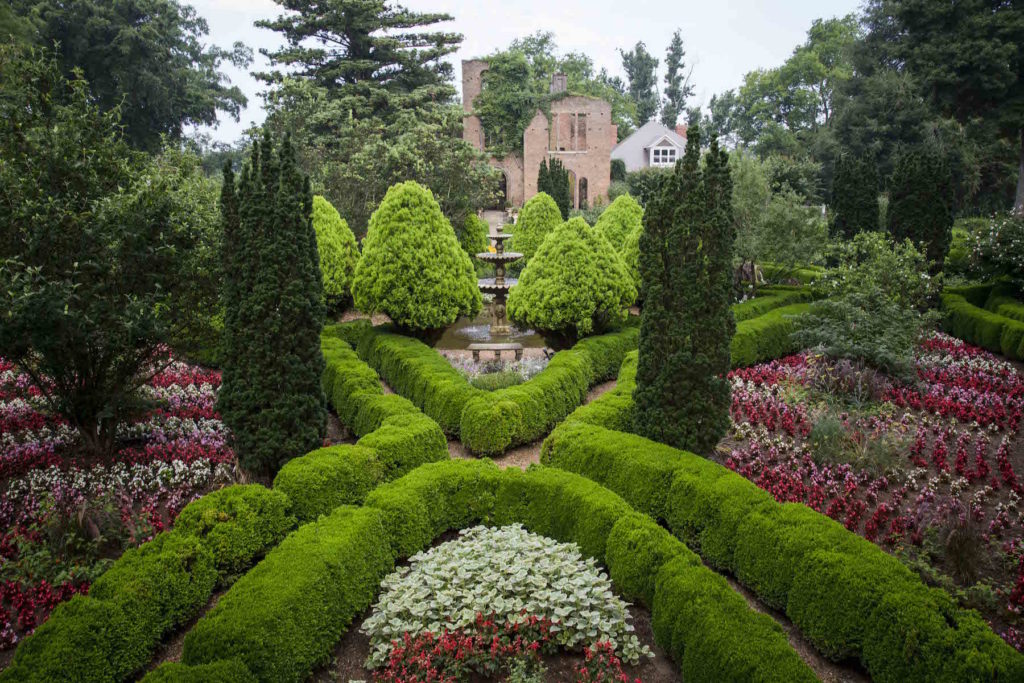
point(544, 179)
point(854, 196)
point(558, 187)
point(270, 397)
point(921, 201)
point(682, 396)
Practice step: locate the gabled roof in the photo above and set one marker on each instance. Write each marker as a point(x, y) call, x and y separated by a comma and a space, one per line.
point(650, 134)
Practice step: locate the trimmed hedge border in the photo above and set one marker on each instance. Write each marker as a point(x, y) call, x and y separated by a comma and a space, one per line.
point(113, 632)
point(766, 337)
point(972, 323)
point(283, 618)
point(805, 275)
point(395, 437)
point(488, 422)
point(847, 596)
point(769, 298)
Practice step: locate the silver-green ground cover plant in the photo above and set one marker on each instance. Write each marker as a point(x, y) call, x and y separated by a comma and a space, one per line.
point(507, 572)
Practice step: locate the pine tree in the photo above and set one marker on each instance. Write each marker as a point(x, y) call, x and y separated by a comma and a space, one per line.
point(854, 196)
point(544, 178)
point(270, 397)
point(682, 396)
point(641, 67)
point(678, 87)
point(921, 201)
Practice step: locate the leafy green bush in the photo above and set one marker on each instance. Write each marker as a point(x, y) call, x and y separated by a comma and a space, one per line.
point(877, 305)
point(412, 267)
point(618, 170)
point(574, 284)
point(645, 183)
point(921, 198)
point(503, 573)
point(238, 523)
point(326, 478)
point(997, 250)
point(623, 217)
point(538, 217)
point(224, 671)
point(338, 250)
point(768, 299)
point(986, 329)
point(768, 336)
point(287, 613)
point(473, 236)
point(854, 196)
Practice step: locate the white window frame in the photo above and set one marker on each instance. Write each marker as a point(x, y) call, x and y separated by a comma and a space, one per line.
point(663, 156)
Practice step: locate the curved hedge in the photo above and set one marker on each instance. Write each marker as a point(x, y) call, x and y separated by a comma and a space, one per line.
point(980, 327)
point(766, 337)
point(395, 437)
point(113, 632)
point(283, 618)
point(848, 597)
point(770, 298)
point(488, 422)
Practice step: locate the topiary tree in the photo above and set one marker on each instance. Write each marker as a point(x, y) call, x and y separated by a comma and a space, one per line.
point(412, 267)
point(576, 284)
point(630, 254)
point(473, 237)
point(682, 395)
point(270, 396)
point(623, 217)
point(921, 201)
point(854, 196)
point(338, 251)
point(539, 216)
point(553, 180)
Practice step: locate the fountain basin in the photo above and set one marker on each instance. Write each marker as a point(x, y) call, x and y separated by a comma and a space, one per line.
point(500, 257)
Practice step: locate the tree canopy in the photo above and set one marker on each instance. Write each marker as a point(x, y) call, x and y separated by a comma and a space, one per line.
point(678, 87)
point(147, 58)
point(640, 67)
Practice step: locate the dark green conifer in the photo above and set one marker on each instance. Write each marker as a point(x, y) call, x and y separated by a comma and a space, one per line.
point(921, 201)
point(682, 395)
point(854, 196)
point(270, 396)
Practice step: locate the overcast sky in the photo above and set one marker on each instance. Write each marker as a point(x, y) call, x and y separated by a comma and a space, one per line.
point(724, 39)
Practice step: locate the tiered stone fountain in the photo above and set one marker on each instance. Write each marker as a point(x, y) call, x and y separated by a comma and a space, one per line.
point(499, 285)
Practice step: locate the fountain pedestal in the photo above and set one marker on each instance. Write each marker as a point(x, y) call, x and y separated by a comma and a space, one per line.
point(499, 326)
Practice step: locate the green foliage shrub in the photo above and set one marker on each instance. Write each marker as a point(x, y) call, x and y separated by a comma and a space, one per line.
point(473, 236)
point(618, 171)
point(682, 395)
point(538, 217)
point(337, 248)
point(412, 267)
point(854, 202)
point(493, 381)
point(877, 305)
point(326, 478)
point(996, 250)
point(623, 217)
point(270, 397)
point(553, 180)
point(768, 299)
point(644, 184)
point(285, 616)
point(237, 523)
point(805, 275)
point(224, 671)
point(980, 327)
point(636, 550)
point(921, 201)
point(575, 284)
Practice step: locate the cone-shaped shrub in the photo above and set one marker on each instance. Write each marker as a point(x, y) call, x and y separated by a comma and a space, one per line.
point(271, 397)
point(682, 395)
point(412, 267)
point(338, 250)
point(538, 217)
point(622, 218)
point(575, 284)
point(631, 258)
point(473, 237)
point(921, 201)
point(854, 196)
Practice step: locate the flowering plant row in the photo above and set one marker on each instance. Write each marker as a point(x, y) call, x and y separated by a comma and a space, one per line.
point(64, 518)
point(929, 470)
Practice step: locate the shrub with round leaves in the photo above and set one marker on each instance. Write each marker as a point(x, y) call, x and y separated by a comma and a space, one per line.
point(510, 574)
point(537, 219)
point(621, 219)
point(412, 267)
point(575, 284)
point(339, 252)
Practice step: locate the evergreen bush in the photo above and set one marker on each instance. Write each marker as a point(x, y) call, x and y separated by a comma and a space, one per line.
point(621, 219)
point(412, 267)
point(576, 284)
point(921, 198)
point(553, 180)
point(270, 397)
point(338, 250)
point(538, 217)
point(854, 196)
point(686, 249)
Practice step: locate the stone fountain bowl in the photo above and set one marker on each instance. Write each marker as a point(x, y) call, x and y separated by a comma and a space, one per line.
point(503, 257)
point(489, 286)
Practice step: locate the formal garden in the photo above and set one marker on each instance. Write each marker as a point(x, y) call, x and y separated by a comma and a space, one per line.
point(320, 407)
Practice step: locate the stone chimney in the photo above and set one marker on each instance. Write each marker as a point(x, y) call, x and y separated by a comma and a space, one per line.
point(681, 130)
point(559, 83)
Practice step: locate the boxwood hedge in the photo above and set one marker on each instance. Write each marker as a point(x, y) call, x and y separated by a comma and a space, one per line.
point(283, 618)
point(981, 327)
point(848, 597)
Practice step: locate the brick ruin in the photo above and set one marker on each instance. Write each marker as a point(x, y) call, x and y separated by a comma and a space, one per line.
point(580, 134)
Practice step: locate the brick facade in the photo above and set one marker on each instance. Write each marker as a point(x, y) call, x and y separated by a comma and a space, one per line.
point(580, 133)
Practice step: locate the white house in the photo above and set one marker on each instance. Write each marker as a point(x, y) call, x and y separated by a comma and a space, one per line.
point(652, 145)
